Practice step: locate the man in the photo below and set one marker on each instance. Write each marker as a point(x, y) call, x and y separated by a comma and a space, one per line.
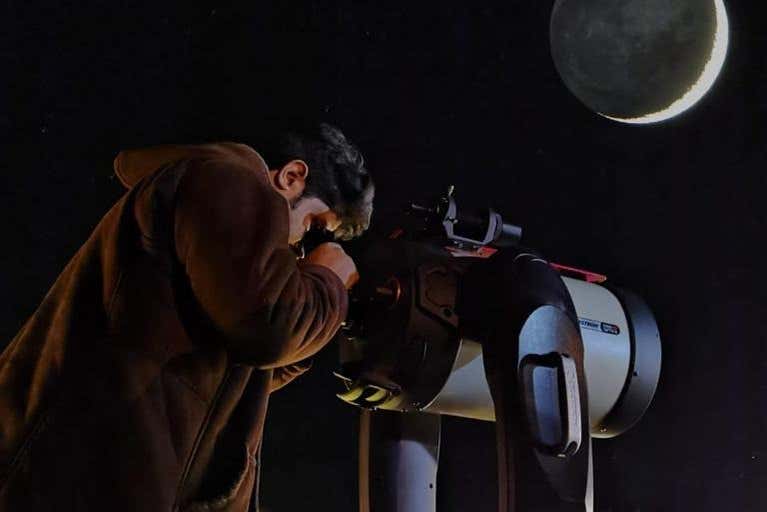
point(142, 381)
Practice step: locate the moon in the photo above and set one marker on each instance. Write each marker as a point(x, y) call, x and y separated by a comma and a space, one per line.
point(639, 61)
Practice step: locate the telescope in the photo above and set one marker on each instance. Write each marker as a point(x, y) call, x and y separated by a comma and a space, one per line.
point(454, 316)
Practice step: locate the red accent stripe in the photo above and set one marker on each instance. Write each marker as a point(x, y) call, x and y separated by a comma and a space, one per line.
point(584, 275)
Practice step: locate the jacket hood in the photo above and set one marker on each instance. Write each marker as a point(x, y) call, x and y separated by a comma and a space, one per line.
point(131, 165)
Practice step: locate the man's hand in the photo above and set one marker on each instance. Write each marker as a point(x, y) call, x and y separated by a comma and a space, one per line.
point(332, 256)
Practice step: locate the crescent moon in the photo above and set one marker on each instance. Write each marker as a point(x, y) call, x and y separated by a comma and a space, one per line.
point(706, 80)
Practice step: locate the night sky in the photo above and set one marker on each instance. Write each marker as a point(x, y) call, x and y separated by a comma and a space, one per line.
point(433, 95)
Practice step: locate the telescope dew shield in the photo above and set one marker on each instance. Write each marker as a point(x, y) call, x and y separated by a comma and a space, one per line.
point(644, 369)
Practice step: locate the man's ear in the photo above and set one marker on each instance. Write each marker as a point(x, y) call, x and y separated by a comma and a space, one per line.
point(290, 181)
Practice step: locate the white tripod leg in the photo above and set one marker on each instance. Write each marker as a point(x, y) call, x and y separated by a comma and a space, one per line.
point(398, 459)
point(590, 481)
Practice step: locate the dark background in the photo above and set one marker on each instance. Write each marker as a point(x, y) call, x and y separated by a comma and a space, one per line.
point(434, 96)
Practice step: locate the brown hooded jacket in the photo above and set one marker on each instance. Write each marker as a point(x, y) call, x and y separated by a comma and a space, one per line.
point(142, 380)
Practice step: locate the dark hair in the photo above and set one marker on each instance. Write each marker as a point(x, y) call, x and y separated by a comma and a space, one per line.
point(337, 174)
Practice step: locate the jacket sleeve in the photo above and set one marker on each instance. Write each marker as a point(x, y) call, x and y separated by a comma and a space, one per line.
point(231, 237)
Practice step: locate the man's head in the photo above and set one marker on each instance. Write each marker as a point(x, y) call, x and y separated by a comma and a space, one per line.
point(322, 175)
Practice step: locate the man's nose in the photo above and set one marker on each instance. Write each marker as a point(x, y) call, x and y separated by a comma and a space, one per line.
point(328, 221)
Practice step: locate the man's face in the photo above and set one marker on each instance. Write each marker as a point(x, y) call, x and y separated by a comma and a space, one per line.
point(308, 213)
point(305, 212)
